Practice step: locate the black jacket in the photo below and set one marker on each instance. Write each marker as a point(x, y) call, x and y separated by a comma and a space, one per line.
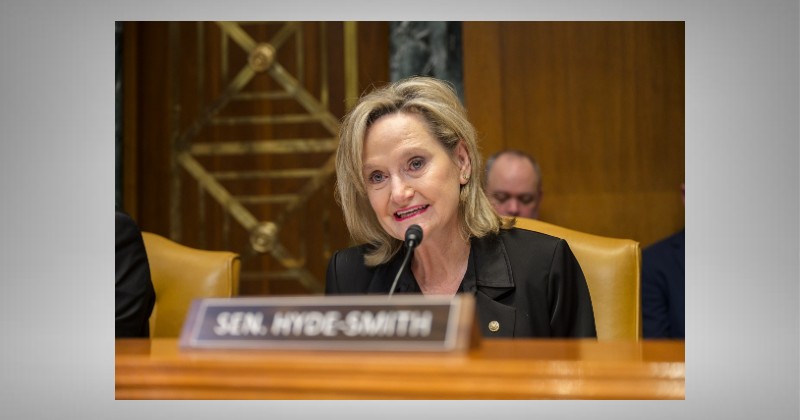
point(527, 281)
point(135, 296)
point(664, 288)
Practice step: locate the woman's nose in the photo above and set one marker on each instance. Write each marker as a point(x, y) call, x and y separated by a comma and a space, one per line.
point(401, 190)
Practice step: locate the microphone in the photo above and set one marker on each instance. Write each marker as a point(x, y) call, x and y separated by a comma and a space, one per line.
point(413, 239)
point(413, 236)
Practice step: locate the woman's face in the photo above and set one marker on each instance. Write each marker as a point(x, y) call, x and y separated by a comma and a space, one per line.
point(411, 179)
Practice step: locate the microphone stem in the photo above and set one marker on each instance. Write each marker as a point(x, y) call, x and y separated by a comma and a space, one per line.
point(409, 251)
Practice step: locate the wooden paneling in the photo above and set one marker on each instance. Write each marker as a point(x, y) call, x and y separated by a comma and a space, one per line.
point(599, 104)
point(176, 72)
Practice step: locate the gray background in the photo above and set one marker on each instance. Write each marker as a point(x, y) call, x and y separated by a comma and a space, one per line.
point(56, 179)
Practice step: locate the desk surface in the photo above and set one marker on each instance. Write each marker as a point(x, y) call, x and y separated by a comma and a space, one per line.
point(497, 369)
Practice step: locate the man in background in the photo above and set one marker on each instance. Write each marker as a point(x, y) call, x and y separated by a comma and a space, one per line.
point(514, 184)
point(663, 286)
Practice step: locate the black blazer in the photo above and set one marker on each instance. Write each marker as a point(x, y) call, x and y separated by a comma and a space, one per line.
point(664, 288)
point(529, 282)
point(135, 296)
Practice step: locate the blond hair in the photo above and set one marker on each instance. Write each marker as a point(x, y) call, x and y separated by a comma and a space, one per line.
point(437, 103)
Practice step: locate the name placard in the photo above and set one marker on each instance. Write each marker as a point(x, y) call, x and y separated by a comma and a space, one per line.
point(360, 323)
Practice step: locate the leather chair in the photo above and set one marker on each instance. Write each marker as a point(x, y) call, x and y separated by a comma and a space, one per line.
point(612, 268)
point(181, 274)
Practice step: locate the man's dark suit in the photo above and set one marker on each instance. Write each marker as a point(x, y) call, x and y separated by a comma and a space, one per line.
point(135, 296)
point(663, 288)
point(529, 282)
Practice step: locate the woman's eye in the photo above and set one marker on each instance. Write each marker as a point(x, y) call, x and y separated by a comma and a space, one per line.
point(376, 177)
point(416, 164)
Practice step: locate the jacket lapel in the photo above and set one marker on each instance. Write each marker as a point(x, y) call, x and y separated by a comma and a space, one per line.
point(494, 280)
point(384, 276)
point(489, 271)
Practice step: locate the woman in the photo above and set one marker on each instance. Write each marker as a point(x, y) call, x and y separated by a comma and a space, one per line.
point(408, 155)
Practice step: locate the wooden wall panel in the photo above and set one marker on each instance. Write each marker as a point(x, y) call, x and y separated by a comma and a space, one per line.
point(160, 104)
point(599, 104)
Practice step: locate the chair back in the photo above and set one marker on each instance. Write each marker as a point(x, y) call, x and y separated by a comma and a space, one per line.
point(612, 268)
point(181, 274)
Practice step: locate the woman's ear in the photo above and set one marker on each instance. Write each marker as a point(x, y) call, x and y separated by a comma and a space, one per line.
point(464, 164)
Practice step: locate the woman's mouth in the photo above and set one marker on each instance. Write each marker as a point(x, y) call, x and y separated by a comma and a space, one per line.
point(410, 212)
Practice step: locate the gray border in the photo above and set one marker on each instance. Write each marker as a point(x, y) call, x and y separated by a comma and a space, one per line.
point(742, 171)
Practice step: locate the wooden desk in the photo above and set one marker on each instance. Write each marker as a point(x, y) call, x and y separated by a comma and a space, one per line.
point(498, 369)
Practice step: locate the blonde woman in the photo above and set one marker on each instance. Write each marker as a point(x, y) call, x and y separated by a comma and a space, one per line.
point(408, 155)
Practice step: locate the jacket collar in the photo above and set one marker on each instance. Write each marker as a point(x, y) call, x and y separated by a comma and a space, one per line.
point(492, 267)
point(488, 270)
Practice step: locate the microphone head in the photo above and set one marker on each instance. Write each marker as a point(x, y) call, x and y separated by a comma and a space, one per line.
point(413, 236)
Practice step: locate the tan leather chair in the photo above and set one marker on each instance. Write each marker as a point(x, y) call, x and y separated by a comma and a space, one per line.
point(613, 270)
point(181, 274)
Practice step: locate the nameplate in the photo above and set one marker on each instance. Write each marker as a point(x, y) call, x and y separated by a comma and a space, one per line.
point(360, 323)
